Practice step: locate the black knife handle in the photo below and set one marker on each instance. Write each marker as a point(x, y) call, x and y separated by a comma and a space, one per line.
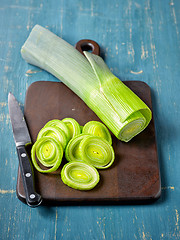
point(33, 199)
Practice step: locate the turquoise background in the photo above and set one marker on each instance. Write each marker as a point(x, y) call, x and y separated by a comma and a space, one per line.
point(139, 40)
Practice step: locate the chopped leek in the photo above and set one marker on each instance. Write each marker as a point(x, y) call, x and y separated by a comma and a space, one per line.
point(79, 175)
point(54, 132)
point(60, 124)
point(72, 152)
point(48, 152)
point(85, 152)
point(97, 152)
point(124, 113)
point(98, 129)
point(73, 125)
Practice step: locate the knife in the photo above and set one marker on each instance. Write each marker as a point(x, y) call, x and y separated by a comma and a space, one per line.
point(22, 138)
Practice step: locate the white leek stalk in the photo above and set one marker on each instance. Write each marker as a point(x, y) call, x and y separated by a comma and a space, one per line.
point(89, 77)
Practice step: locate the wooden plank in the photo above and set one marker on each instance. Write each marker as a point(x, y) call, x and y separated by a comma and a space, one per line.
point(139, 40)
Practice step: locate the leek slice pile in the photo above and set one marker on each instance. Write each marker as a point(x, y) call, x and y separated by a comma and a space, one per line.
point(124, 113)
point(85, 152)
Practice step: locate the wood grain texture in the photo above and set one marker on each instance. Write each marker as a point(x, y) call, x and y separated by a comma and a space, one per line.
point(139, 40)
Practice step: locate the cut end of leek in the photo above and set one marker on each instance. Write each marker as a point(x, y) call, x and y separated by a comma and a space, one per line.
point(132, 126)
point(131, 129)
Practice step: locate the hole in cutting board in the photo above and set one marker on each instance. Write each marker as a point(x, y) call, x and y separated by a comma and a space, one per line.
point(87, 47)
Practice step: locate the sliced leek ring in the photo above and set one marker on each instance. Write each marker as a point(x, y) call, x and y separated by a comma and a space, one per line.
point(60, 124)
point(79, 175)
point(97, 152)
point(72, 152)
point(54, 132)
point(48, 152)
point(73, 125)
point(97, 129)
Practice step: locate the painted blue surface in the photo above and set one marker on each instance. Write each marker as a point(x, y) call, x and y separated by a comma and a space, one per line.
point(140, 40)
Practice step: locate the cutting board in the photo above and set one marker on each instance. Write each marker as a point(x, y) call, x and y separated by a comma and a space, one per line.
point(134, 177)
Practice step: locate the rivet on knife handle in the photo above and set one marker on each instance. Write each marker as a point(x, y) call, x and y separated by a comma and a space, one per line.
point(33, 199)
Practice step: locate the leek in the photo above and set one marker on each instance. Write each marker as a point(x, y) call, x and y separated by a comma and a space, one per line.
point(49, 153)
point(72, 151)
point(124, 113)
point(97, 152)
point(79, 175)
point(73, 126)
point(60, 124)
point(54, 132)
point(97, 129)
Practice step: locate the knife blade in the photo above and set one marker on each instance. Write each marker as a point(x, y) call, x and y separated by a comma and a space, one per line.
point(22, 139)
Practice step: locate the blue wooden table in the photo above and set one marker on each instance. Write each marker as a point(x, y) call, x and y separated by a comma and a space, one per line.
point(139, 40)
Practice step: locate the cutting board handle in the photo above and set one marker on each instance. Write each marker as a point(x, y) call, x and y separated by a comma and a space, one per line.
point(88, 45)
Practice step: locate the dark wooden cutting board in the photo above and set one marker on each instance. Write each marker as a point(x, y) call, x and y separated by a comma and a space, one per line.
point(134, 176)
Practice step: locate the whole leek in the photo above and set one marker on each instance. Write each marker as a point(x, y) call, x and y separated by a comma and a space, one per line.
point(124, 113)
